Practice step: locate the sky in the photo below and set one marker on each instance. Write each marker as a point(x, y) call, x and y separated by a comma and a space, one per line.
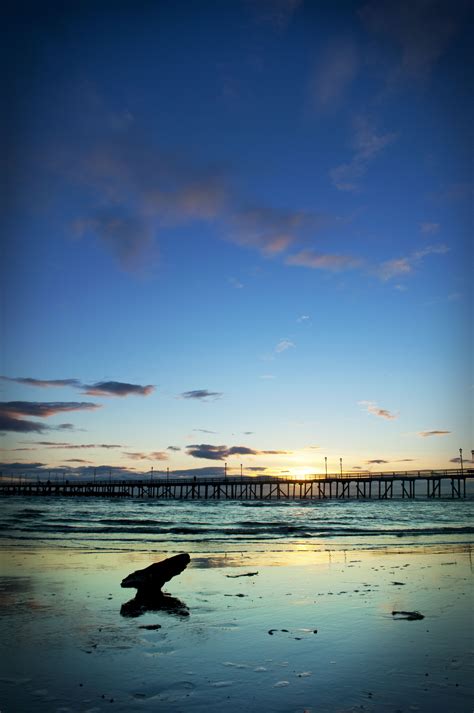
point(236, 233)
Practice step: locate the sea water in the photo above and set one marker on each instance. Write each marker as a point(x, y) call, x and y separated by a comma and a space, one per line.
point(231, 526)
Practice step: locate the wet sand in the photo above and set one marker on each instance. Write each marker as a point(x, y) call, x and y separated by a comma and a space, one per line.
point(312, 631)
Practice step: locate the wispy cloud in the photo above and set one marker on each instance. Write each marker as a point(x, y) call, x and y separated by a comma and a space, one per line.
point(173, 448)
point(271, 231)
point(202, 395)
point(428, 434)
point(377, 461)
point(283, 345)
point(235, 283)
point(333, 74)
point(43, 383)
point(12, 414)
point(421, 30)
point(372, 408)
point(152, 456)
point(406, 265)
point(429, 228)
point(78, 460)
point(322, 261)
point(303, 318)
point(367, 145)
point(210, 452)
point(75, 446)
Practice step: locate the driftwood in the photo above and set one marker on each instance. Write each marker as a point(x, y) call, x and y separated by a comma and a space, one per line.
point(410, 615)
point(148, 583)
point(142, 603)
point(152, 578)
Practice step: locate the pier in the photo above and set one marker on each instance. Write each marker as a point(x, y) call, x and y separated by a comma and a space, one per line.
point(448, 484)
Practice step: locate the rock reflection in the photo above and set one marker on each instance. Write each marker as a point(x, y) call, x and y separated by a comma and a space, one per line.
point(144, 602)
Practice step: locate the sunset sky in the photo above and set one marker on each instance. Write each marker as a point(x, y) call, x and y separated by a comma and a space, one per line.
point(237, 232)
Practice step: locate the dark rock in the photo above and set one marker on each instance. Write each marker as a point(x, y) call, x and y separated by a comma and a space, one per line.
point(152, 578)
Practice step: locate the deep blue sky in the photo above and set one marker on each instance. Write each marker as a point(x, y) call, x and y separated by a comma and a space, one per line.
point(260, 208)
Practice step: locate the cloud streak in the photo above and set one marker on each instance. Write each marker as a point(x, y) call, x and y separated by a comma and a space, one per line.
point(153, 456)
point(429, 434)
point(202, 395)
point(210, 452)
point(403, 266)
point(372, 408)
point(333, 74)
point(283, 346)
point(12, 414)
point(117, 388)
point(367, 144)
point(100, 388)
point(323, 261)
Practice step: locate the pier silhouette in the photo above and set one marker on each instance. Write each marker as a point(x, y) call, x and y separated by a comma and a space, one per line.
point(450, 483)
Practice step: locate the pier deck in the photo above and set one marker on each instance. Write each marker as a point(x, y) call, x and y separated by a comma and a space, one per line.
point(405, 485)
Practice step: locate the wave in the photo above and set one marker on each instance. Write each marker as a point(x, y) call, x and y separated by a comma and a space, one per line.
point(259, 530)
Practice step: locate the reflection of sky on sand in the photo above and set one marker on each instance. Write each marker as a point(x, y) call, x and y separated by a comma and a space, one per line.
point(75, 647)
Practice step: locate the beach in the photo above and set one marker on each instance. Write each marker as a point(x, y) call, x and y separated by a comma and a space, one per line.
point(269, 624)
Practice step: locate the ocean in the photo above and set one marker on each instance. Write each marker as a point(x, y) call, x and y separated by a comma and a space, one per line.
point(232, 526)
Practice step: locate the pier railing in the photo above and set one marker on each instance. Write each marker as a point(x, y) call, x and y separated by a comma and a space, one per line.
point(366, 485)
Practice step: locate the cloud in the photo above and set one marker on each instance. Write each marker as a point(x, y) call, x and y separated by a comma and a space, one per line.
point(100, 388)
point(235, 283)
point(78, 460)
point(74, 446)
point(303, 318)
point(8, 423)
point(12, 413)
point(274, 453)
point(173, 448)
point(267, 377)
point(283, 345)
point(153, 456)
point(44, 409)
point(203, 430)
point(333, 74)
point(321, 261)
point(428, 434)
point(43, 383)
point(367, 144)
point(272, 231)
point(22, 467)
point(276, 13)
point(133, 191)
point(202, 395)
point(406, 265)
point(429, 228)
point(117, 388)
point(372, 408)
point(422, 30)
point(376, 461)
point(458, 460)
point(205, 450)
